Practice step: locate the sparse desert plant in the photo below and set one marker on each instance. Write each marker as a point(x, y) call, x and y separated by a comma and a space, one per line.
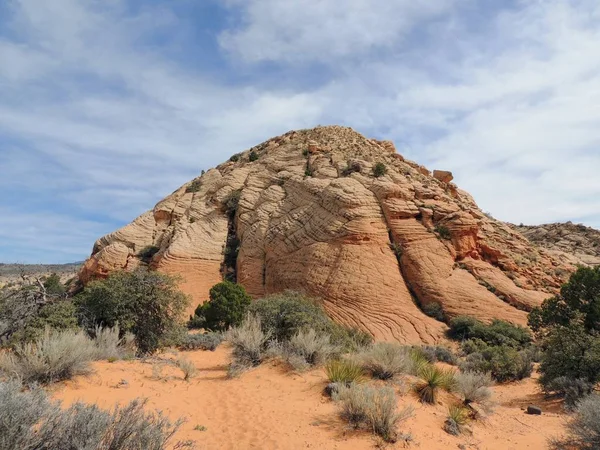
point(435, 353)
point(385, 360)
point(253, 156)
point(371, 408)
point(379, 170)
point(344, 371)
point(443, 231)
point(435, 310)
point(201, 341)
point(474, 387)
point(249, 343)
point(314, 349)
point(29, 420)
point(458, 417)
point(194, 186)
point(148, 252)
point(235, 157)
point(583, 431)
point(433, 380)
point(187, 367)
point(109, 344)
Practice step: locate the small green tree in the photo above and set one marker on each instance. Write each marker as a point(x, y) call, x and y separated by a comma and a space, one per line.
point(146, 303)
point(227, 306)
point(379, 170)
point(253, 156)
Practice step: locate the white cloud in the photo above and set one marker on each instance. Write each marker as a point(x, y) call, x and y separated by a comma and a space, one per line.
point(323, 30)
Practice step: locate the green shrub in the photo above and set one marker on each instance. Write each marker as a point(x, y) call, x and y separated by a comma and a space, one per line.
point(253, 156)
point(54, 286)
point(148, 252)
point(433, 379)
point(29, 420)
point(570, 352)
point(344, 371)
point(206, 341)
point(227, 306)
point(379, 170)
point(145, 303)
point(231, 203)
point(283, 315)
point(385, 360)
point(60, 315)
point(352, 167)
point(194, 186)
point(371, 408)
point(504, 363)
point(435, 310)
point(499, 332)
point(235, 158)
point(583, 431)
point(443, 231)
point(435, 353)
point(577, 303)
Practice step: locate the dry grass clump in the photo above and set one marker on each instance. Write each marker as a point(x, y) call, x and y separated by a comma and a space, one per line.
point(384, 360)
point(474, 387)
point(372, 408)
point(29, 420)
point(308, 349)
point(187, 367)
point(433, 380)
point(61, 355)
point(249, 343)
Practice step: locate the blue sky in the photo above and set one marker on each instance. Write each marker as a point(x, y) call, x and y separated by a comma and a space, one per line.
point(106, 106)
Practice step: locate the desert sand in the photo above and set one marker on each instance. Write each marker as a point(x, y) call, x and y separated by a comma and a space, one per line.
point(272, 408)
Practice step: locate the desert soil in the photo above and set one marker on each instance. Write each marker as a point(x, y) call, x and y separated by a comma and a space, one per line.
point(272, 408)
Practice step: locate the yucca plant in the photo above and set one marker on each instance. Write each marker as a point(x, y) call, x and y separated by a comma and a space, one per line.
point(433, 379)
point(344, 371)
point(458, 417)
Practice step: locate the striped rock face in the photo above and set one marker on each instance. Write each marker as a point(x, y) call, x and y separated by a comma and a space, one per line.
point(305, 211)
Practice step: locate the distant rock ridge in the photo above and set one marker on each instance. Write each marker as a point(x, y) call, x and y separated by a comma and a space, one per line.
point(572, 243)
point(304, 211)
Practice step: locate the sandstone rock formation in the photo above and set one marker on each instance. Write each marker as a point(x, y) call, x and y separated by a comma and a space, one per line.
point(573, 244)
point(303, 211)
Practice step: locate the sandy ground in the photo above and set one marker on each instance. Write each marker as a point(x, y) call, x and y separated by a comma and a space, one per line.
point(271, 408)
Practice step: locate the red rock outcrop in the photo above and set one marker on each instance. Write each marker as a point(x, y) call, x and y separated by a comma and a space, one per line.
point(309, 215)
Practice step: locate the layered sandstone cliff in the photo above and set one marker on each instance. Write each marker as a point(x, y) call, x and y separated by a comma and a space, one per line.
point(307, 213)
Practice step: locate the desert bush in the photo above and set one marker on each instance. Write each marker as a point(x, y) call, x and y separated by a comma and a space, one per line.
point(385, 360)
point(145, 303)
point(504, 363)
point(371, 408)
point(379, 170)
point(253, 156)
point(284, 315)
point(443, 231)
point(435, 353)
point(227, 306)
point(249, 343)
point(573, 390)
point(29, 420)
point(583, 431)
point(344, 371)
point(311, 348)
point(474, 387)
point(149, 251)
point(351, 167)
point(458, 417)
point(434, 310)
point(206, 341)
point(110, 345)
point(498, 332)
point(187, 367)
point(194, 186)
point(433, 380)
point(235, 158)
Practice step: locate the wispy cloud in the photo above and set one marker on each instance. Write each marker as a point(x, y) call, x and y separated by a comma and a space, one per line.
point(106, 106)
